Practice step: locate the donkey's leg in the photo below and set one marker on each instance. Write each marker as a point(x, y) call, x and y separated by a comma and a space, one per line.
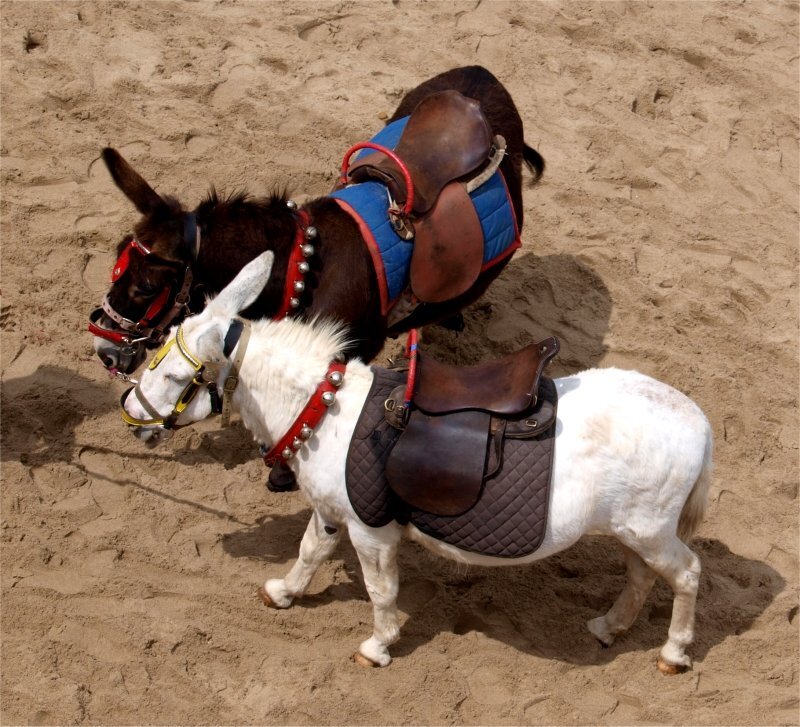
point(316, 547)
point(682, 573)
point(377, 552)
point(626, 608)
point(680, 568)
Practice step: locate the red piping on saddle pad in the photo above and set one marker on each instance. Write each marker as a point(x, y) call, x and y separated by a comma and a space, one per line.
point(374, 252)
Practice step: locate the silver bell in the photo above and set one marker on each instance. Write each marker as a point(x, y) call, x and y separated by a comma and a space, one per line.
point(303, 267)
point(287, 453)
point(297, 443)
point(306, 432)
point(328, 398)
point(336, 378)
point(307, 250)
point(291, 204)
point(294, 302)
point(311, 232)
point(299, 286)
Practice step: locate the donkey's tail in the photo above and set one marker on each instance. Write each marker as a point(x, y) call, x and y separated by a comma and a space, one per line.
point(695, 506)
point(534, 161)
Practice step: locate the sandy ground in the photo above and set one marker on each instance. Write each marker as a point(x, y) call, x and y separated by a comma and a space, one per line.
point(663, 238)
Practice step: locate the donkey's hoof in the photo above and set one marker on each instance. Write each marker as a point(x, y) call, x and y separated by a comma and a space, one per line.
point(599, 629)
point(362, 660)
point(264, 596)
point(670, 669)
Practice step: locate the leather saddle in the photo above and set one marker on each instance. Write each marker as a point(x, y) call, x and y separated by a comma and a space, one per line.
point(446, 141)
point(457, 421)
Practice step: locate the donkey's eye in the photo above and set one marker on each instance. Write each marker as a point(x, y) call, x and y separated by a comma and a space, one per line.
point(146, 289)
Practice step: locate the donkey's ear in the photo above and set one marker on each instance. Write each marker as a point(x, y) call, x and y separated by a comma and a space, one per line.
point(132, 184)
point(243, 290)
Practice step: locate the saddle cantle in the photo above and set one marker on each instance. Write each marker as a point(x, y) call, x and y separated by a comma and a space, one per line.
point(446, 141)
point(446, 138)
point(454, 430)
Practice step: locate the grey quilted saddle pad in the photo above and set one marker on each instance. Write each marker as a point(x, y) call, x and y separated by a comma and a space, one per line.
point(509, 518)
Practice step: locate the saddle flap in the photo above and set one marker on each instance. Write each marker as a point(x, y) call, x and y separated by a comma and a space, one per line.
point(505, 387)
point(448, 247)
point(438, 463)
point(446, 138)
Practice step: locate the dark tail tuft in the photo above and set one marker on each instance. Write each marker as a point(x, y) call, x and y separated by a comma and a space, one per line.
point(534, 161)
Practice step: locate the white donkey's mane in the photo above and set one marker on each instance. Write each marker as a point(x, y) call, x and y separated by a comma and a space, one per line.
point(284, 363)
point(320, 338)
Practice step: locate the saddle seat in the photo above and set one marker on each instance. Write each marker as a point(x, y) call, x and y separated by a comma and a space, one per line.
point(504, 387)
point(453, 431)
point(446, 139)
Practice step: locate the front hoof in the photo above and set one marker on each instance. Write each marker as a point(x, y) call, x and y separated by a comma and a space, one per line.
point(372, 653)
point(362, 660)
point(671, 669)
point(273, 594)
point(265, 599)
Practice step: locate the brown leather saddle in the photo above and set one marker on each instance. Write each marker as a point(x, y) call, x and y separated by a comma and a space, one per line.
point(446, 142)
point(456, 425)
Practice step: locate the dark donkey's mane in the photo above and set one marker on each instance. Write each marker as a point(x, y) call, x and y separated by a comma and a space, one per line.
point(237, 227)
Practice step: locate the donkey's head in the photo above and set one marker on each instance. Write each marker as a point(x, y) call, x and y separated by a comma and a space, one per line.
point(149, 280)
point(192, 359)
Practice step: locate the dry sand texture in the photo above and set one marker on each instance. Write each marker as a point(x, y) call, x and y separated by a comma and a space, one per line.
point(663, 238)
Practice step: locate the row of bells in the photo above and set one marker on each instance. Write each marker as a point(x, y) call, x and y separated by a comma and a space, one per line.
point(335, 378)
point(308, 250)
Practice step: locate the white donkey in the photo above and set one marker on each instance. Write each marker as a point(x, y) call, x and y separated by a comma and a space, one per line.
point(632, 460)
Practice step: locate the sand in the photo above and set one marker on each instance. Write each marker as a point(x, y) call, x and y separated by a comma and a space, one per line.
point(663, 238)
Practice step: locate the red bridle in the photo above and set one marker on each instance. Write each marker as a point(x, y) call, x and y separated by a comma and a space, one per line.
point(155, 321)
point(152, 326)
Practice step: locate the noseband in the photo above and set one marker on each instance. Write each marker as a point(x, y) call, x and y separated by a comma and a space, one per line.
point(204, 376)
point(152, 326)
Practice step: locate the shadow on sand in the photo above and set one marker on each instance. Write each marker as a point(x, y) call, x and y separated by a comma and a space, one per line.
point(539, 609)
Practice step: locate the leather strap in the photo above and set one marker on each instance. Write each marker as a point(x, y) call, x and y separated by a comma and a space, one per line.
point(238, 333)
point(297, 267)
point(308, 419)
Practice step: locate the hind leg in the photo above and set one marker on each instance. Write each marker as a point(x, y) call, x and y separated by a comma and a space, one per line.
point(626, 608)
point(682, 573)
point(680, 568)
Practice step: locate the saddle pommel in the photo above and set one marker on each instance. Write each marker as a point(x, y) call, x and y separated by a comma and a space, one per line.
point(505, 387)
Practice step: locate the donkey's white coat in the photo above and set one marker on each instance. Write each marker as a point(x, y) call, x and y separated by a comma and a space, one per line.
point(632, 460)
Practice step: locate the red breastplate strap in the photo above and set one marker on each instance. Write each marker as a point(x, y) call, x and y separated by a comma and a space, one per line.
point(303, 427)
point(297, 267)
